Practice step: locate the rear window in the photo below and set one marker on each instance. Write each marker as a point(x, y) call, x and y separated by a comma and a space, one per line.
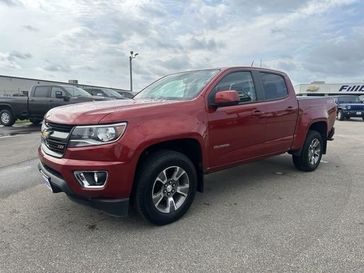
point(42, 91)
point(274, 86)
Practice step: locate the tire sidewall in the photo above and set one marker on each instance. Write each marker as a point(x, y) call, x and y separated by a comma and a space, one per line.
point(145, 187)
point(11, 117)
point(312, 135)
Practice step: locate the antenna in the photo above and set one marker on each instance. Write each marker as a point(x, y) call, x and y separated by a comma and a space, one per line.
point(252, 63)
point(261, 62)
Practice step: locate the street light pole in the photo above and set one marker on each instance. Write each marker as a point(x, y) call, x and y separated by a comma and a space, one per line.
point(131, 57)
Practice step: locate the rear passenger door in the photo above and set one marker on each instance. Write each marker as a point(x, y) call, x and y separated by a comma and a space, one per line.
point(280, 112)
point(39, 102)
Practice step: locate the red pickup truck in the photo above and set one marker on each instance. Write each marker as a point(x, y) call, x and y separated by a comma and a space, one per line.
point(152, 151)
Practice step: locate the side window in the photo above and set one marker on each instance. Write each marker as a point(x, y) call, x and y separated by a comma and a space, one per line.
point(274, 86)
point(98, 92)
point(242, 82)
point(42, 92)
point(56, 89)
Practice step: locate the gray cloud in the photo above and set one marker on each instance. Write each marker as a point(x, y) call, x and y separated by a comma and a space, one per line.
point(338, 57)
point(91, 40)
point(52, 67)
point(10, 2)
point(30, 28)
point(177, 63)
point(264, 6)
point(18, 55)
point(205, 44)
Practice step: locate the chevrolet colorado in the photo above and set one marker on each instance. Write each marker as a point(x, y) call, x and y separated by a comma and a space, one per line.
point(41, 99)
point(153, 151)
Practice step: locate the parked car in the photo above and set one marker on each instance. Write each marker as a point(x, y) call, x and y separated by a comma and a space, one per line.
point(154, 150)
point(41, 99)
point(349, 106)
point(126, 94)
point(104, 92)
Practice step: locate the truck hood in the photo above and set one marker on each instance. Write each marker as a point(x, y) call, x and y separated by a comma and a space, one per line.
point(94, 112)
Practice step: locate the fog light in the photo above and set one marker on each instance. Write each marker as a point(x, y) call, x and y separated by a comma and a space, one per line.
point(91, 179)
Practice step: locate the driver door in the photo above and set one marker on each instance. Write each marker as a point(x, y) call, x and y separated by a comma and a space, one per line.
point(58, 101)
point(235, 132)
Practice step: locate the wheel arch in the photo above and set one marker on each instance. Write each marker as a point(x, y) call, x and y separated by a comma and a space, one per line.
point(190, 147)
point(321, 127)
point(5, 106)
point(317, 125)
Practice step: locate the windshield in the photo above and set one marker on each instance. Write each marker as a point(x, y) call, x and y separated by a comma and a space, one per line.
point(349, 99)
point(180, 86)
point(113, 93)
point(76, 92)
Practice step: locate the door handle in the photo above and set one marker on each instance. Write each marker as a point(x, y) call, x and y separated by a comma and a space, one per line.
point(289, 108)
point(257, 113)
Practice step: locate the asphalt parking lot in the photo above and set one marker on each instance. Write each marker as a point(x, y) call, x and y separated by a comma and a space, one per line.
point(261, 217)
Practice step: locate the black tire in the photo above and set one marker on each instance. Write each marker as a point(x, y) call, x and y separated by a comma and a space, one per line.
point(147, 182)
point(35, 121)
point(305, 162)
point(340, 115)
point(363, 118)
point(7, 118)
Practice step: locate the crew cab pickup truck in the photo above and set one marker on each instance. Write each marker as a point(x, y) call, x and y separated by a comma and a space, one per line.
point(41, 99)
point(153, 151)
point(349, 106)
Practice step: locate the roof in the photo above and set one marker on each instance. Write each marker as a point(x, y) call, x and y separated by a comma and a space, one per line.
point(59, 82)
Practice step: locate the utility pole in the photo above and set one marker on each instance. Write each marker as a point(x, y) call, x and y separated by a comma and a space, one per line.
point(131, 57)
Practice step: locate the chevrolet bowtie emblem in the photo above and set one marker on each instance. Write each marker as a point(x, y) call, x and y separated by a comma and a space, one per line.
point(46, 133)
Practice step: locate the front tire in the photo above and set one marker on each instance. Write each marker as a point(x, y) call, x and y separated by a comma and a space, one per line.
point(165, 187)
point(311, 153)
point(7, 118)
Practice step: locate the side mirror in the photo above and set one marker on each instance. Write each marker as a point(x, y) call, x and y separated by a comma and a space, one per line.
point(227, 98)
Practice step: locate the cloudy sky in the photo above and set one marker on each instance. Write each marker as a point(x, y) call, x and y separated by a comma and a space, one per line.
point(90, 40)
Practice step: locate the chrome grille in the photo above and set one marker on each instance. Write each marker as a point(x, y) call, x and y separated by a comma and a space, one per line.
point(59, 127)
point(55, 138)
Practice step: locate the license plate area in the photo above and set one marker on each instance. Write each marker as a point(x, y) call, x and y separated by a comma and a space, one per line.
point(46, 180)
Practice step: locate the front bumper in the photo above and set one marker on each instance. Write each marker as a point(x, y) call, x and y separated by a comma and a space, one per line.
point(353, 113)
point(115, 207)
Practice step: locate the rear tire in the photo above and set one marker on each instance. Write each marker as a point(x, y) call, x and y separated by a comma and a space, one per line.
point(311, 153)
point(7, 118)
point(340, 115)
point(166, 184)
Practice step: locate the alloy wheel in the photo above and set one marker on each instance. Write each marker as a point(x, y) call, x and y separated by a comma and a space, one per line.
point(5, 118)
point(314, 152)
point(170, 189)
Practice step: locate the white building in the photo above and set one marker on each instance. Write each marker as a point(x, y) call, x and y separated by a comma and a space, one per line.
point(319, 88)
point(10, 85)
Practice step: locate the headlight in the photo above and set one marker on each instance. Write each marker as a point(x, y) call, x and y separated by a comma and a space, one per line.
point(96, 134)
